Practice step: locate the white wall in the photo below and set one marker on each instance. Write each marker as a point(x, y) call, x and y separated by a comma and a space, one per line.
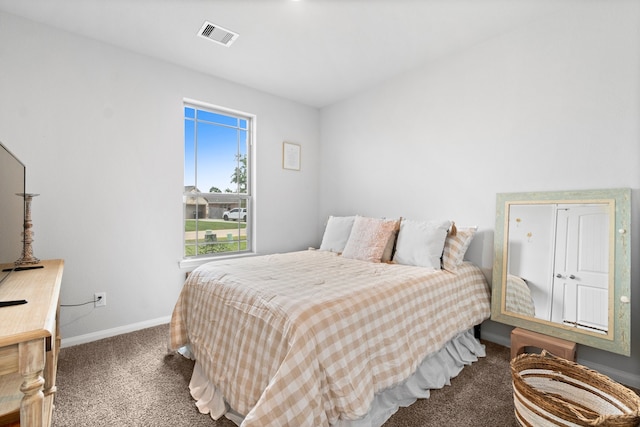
point(554, 105)
point(101, 132)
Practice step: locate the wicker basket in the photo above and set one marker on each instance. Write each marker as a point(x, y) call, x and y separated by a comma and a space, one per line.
point(551, 391)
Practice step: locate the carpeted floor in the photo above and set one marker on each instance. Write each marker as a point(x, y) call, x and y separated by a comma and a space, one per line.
point(131, 380)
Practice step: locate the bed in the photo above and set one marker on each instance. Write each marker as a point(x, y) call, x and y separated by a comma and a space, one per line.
point(316, 338)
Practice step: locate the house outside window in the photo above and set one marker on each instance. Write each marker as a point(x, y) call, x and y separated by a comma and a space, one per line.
point(217, 198)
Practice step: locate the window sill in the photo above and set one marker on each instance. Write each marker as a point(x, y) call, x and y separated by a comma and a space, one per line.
point(196, 262)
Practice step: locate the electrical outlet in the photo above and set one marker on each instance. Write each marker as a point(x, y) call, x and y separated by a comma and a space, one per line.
point(100, 299)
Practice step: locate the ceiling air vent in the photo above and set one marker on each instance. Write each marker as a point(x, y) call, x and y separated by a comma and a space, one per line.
point(217, 34)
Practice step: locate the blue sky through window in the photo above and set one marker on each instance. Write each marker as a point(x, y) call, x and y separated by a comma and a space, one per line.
point(218, 139)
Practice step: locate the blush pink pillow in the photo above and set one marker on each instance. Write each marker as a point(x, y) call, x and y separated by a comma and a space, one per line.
point(368, 238)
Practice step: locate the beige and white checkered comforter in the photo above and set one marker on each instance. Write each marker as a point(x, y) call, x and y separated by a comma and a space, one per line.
point(304, 338)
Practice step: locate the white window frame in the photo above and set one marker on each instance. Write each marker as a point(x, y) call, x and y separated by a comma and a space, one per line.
point(193, 261)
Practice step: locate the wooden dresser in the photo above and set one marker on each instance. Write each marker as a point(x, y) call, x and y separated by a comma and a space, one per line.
point(29, 345)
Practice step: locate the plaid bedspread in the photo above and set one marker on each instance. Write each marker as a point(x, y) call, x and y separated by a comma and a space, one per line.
point(304, 338)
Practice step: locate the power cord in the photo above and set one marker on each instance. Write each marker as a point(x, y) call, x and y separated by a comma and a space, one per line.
point(82, 303)
point(9, 271)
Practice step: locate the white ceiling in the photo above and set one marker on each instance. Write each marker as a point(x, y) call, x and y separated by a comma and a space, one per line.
point(315, 52)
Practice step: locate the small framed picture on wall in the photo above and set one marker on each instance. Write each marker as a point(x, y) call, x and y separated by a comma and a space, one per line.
point(291, 156)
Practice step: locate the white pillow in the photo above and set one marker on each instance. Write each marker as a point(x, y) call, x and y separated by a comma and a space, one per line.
point(421, 243)
point(337, 233)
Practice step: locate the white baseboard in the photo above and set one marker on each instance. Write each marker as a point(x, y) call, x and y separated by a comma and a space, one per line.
point(626, 378)
point(107, 333)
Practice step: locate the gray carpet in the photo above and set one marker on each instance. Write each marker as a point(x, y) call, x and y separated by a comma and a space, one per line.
point(131, 380)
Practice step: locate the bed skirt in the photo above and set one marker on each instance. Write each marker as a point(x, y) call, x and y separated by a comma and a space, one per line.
point(434, 372)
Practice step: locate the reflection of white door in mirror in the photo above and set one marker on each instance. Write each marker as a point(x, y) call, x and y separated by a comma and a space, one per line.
point(581, 267)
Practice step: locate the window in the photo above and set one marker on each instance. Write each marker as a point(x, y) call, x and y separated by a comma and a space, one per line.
point(217, 175)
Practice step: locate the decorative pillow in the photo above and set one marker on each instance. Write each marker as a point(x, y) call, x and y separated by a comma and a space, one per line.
point(455, 246)
point(421, 243)
point(337, 233)
point(368, 239)
point(387, 254)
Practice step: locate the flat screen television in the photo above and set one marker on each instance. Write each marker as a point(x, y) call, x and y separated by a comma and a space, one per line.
point(12, 208)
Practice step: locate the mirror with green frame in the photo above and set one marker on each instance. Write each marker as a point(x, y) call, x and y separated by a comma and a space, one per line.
point(562, 265)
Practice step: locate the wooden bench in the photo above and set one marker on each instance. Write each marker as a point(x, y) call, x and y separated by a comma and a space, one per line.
point(521, 338)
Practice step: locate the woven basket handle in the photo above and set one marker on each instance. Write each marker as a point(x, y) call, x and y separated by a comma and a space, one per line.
point(600, 420)
point(545, 353)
